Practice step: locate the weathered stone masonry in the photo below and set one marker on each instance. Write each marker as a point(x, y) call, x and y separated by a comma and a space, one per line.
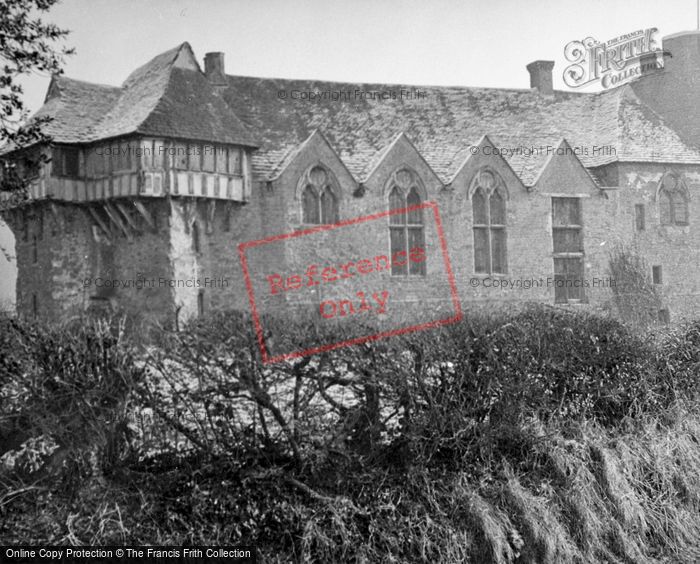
point(201, 162)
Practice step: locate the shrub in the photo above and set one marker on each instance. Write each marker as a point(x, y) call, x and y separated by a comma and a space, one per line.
point(490, 438)
point(66, 387)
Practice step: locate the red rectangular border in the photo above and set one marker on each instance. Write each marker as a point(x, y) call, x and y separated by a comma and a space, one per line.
point(315, 350)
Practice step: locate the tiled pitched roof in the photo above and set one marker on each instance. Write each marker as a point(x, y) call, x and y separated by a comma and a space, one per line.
point(167, 96)
point(448, 120)
point(76, 108)
point(190, 108)
point(140, 94)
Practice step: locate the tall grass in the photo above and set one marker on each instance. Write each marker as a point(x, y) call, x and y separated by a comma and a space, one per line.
point(536, 436)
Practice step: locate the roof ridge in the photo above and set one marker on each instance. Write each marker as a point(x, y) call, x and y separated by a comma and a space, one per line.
point(173, 53)
point(148, 84)
point(59, 81)
point(411, 85)
point(87, 82)
point(172, 98)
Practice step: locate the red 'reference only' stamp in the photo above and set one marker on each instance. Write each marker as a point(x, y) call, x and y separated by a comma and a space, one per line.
point(389, 268)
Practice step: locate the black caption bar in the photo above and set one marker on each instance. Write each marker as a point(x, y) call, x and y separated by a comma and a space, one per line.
point(129, 554)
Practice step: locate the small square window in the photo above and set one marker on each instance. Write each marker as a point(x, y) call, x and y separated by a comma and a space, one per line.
point(639, 217)
point(195, 154)
point(69, 222)
point(200, 303)
point(196, 245)
point(208, 155)
point(66, 161)
point(566, 212)
point(221, 159)
point(234, 160)
point(656, 274)
point(159, 154)
point(125, 159)
point(180, 156)
point(569, 283)
point(227, 217)
point(146, 152)
point(100, 160)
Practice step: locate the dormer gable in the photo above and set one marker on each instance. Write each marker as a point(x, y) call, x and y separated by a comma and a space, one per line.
point(485, 154)
point(563, 174)
point(400, 153)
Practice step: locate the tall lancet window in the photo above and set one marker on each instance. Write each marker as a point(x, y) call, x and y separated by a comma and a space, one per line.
point(319, 200)
point(406, 229)
point(489, 223)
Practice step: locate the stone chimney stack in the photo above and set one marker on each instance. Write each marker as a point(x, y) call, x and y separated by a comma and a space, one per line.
point(214, 68)
point(541, 76)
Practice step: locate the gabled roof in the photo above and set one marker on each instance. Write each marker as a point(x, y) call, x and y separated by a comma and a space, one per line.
point(471, 155)
point(445, 122)
point(400, 141)
point(563, 163)
point(168, 96)
point(190, 109)
point(313, 141)
point(76, 108)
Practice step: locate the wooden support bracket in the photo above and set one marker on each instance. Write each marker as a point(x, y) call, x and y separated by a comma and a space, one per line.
point(122, 207)
point(145, 214)
point(114, 216)
point(211, 210)
point(98, 221)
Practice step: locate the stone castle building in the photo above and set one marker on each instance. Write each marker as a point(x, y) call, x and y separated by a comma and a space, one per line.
point(163, 177)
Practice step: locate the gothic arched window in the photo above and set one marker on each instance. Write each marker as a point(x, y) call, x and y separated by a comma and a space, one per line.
point(489, 226)
point(319, 201)
point(406, 231)
point(673, 200)
point(312, 211)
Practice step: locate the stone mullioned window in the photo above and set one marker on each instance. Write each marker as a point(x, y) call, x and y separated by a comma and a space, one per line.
point(406, 229)
point(673, 200)
point(488, 195)
point(567, 239)
point(319, 201)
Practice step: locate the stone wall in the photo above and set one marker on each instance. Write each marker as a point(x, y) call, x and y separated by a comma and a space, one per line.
point(608, 221)
point(188, 279)
point(675, 248)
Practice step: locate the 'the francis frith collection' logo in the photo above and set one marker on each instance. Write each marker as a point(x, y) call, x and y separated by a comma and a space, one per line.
point(612, 62)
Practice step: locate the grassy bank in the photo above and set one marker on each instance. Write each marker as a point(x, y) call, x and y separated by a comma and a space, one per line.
point(538, 436)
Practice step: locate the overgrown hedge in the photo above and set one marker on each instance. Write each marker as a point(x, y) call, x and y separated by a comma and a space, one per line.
point(423, 447)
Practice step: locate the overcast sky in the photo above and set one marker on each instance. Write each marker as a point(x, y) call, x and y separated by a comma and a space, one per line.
point(444, 42)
